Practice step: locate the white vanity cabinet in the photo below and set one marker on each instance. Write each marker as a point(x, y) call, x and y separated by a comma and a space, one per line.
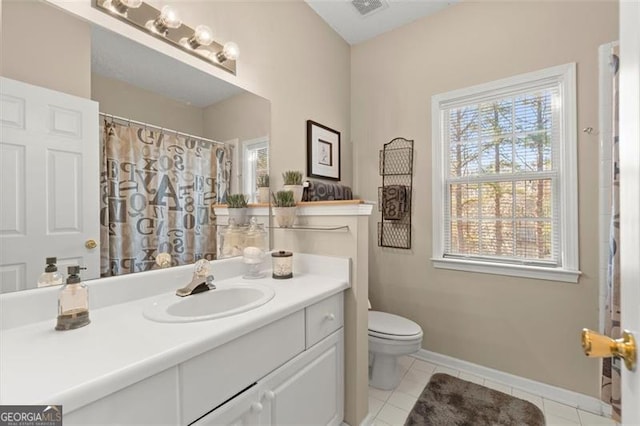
point(307, 390)
point(243, 410)
point(210, 379)
point(152, 401)
point(288, 372)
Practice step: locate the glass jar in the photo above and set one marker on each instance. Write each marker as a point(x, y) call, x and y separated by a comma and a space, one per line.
point(282, 264)
point(232, 240)
point(256, 236)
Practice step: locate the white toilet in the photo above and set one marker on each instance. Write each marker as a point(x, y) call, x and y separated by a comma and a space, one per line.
point(390, 337)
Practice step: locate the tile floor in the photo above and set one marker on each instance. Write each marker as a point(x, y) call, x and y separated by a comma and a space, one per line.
point(393, 407)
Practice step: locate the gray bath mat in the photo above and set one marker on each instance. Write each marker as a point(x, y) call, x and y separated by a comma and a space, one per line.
point(447, 400)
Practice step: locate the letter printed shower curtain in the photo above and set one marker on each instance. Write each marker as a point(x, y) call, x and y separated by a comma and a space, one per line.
point(156, 194)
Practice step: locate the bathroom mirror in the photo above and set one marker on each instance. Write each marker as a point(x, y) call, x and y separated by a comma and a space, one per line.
point(194, 139)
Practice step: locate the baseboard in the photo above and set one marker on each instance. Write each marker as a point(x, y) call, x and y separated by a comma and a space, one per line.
point(571, 398)
point(367, 421)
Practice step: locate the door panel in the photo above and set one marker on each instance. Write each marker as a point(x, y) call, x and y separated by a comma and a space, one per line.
point(242, 410)
point(309, 389)
point(50, 183)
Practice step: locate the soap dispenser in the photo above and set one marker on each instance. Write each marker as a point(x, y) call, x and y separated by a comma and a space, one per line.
point(73, 302)
point(50, 276)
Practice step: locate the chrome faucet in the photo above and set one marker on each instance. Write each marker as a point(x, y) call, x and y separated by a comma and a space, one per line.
point(201, 281)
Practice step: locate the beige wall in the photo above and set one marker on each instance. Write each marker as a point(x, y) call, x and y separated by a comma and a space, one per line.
point(522, 326)
point(244, 116)
point(125, 100)
point(57, 55)
point(293, 58)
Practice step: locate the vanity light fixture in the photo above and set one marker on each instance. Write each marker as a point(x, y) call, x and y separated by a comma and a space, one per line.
point(167, 19)
point(122, 6)
point(166, 25)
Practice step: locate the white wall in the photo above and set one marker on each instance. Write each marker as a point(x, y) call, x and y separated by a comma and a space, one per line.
point(522, 326)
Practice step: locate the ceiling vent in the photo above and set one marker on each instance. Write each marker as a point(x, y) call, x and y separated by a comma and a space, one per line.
point(368, 7)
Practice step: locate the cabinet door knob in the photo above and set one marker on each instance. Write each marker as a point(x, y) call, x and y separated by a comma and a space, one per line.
point(256, 407)
point(270, 395)
point(330, 317)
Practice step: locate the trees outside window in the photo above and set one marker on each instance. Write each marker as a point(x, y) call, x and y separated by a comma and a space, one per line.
point(504, 172)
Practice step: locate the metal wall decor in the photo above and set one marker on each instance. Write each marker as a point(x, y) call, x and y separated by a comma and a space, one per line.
point(394, 196)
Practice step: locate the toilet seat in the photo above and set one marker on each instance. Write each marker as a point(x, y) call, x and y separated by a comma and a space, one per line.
point(392, 327)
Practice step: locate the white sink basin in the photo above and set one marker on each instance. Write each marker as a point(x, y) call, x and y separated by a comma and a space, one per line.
point(222, 302)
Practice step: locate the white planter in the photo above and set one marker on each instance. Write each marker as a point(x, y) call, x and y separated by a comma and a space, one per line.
point(285, 216)
point(263, 194)
point(238, 215)
point(297, 191)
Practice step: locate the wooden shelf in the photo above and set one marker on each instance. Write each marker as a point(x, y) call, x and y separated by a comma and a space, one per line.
point(314, 228)
point(306, 203)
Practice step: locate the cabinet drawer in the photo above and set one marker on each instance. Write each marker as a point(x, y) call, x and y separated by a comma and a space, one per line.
point(323, 318)
point(152, 401)
point(210, 379)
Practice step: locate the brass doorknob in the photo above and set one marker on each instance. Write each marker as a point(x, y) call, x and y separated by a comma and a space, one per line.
point(600, 346)
point(90, 244)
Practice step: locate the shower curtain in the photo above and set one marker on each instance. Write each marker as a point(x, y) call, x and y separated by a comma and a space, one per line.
point(155, 196)
point(611, 366)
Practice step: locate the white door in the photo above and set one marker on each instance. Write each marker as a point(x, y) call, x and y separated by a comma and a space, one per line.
point(630, 195)
point(49, 183)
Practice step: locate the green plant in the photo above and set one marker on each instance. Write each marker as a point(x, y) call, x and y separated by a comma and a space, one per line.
point(292, 177)
point(263, 181)
point(283, 199)
point(236, 201)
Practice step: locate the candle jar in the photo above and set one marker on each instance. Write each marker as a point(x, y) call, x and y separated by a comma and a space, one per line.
point(282, 264)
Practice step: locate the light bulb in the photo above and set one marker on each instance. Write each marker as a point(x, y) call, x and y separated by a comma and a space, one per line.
point(121, 6)
point(203, 35)
point(169, 17)
point(133, 4)
point(230, 52)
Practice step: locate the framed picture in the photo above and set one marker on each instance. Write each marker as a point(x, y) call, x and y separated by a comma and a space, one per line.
point(323, 151)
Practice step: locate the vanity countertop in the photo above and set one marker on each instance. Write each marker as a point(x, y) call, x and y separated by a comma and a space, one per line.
point(39, 365)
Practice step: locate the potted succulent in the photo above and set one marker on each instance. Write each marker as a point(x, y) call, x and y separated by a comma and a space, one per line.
point(263, 188)
point(284, 208)
point(237, 205)
point(293, 182)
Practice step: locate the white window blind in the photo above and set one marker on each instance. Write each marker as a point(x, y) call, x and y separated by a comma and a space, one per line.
point(255, 164)
point(501, 167)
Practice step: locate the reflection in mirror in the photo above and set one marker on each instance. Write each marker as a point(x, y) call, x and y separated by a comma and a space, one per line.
point(173, 141)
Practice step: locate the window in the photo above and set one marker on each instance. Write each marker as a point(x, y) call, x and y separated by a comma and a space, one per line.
point(255, 155)
point(505, 178)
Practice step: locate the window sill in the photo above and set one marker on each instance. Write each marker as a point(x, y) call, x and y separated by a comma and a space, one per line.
point(535, 272)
